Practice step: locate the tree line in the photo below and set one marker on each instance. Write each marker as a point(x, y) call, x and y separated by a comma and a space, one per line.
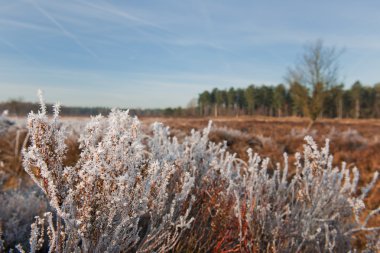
point(313, 91)
point(358, 101)
point(20, 108)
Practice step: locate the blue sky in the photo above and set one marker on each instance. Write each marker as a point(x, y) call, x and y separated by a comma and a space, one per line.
point(164, 53)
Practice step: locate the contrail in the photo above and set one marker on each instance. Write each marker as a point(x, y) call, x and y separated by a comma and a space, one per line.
point(65, 32)
point(24, 25)
point(11, 45)
point(16, 49)
point(123, 14)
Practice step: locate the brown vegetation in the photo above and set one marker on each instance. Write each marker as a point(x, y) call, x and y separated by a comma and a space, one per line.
point(355, 141)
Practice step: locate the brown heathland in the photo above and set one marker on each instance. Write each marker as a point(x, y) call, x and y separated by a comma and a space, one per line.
point(357, 142)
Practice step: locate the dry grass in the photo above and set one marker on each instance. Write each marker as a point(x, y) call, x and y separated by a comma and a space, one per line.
point(11, 144)
point(355, 141)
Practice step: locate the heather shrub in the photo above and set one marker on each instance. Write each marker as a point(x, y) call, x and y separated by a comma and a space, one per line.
point(349, 139)
point(228, 133)
point(236, 140)
point(17, 211)
point(11, 145)
point(317, 210)
point(132, 192)
point(117, 197)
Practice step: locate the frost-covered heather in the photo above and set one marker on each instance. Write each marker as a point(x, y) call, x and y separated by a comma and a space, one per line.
point(117, 197)
point(318, 209)
point(130, 192)
point(301, 133)
point(230, 133)
point(350, 137)
point(17, 211)
point(74, 126)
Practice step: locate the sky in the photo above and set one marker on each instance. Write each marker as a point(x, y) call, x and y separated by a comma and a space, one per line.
point(161, 53)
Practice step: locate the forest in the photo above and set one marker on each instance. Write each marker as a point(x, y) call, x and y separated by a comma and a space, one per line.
point(358, 101)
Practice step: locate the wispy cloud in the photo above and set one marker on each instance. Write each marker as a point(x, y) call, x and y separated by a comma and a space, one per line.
point(179, 46)
point(6, 23)
point(13, 47)
point(10, 45)
point(63, 29)
point(139, 23)
point(108, 8)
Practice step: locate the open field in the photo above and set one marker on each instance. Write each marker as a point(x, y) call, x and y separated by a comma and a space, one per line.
point(189, 127)
point(357, 142)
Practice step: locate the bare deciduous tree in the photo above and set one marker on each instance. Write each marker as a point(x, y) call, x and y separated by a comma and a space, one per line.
point(317, 69)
